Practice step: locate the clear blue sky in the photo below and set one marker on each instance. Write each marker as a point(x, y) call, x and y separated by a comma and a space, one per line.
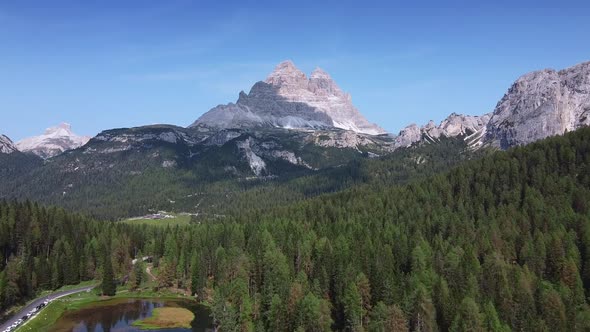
point(108, 64)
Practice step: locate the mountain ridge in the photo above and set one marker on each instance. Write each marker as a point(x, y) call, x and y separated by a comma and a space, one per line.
point(6, 145)
point(538, 104)
point(175, 160)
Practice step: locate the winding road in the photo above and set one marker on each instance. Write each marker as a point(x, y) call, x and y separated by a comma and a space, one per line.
point(40, 300)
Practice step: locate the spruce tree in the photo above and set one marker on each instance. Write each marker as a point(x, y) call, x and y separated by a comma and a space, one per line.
point(108, 283)
point(195, 284)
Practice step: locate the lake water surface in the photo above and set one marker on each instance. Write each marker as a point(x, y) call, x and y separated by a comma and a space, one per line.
point(117, 315)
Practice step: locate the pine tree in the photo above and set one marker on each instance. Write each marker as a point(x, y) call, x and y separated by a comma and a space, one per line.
point(312, 314)
point(468, 317)
point(387, 318)
point(195, 274)
point(353, 307)
point(491, 321)
point(424, 313)
point(138, 272)
point(108, 279)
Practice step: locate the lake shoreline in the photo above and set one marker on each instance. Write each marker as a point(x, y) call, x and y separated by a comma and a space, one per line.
point(57, 309)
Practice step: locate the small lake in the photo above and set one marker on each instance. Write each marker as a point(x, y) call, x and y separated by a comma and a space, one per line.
point(118, 315)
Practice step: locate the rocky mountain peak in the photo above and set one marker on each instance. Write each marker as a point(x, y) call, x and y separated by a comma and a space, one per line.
point(320, 83)
point(455, 125)
point(288, 99)
point(285, 73)
point(63, 129)
point(540, 104)
point(53, 141)
point(537, 105)
point(6, 145)
point(319, 74)
point(285, 66)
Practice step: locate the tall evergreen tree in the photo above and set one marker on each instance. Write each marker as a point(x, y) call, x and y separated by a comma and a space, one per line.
point(109, 288)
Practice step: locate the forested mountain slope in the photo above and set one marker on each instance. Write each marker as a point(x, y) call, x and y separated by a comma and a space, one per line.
point(127, 172)
point(498, 243)
point(503, 240)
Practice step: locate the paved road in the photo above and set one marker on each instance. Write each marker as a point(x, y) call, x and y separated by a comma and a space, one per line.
point(40, 300)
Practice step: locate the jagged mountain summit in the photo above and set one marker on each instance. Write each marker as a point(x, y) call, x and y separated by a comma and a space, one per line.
point(6, 145)
point(539, 104)
point(288, 99)
point(54, 141)
point(471, 127)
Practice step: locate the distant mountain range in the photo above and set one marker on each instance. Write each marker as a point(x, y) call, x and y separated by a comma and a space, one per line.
point(539, 104)
point(288, 126)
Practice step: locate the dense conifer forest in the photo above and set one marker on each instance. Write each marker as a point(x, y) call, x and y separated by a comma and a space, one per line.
point(137, 185)
point(499, 243)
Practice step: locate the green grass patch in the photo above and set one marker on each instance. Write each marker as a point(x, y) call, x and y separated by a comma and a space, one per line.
point(178, 220)
point(166, 318)
point(69, 287)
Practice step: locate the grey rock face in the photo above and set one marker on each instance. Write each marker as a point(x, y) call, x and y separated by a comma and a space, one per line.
point(257, 164)
point(140, 138)
point(348, 139)
point(541, 104)
point(470, 127)
point(6, 145)
point(408, 136)
point(288, 99)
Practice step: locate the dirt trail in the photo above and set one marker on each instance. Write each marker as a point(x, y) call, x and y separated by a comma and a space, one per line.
point(148, 269)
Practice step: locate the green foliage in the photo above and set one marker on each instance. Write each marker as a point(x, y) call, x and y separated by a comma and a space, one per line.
point(468, 317)
point(109, 288)
point(353, 307)
point(47, 248)
point(137, 275)
point(500, 243)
